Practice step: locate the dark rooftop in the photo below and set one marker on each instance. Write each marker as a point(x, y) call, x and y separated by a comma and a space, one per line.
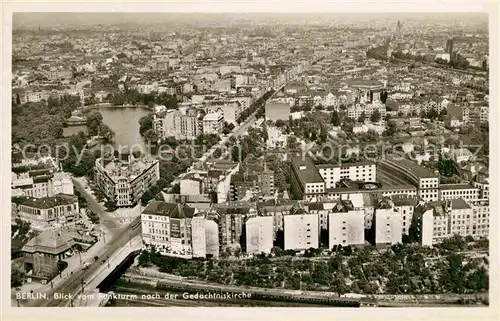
point(45, 202)
point(169, 209)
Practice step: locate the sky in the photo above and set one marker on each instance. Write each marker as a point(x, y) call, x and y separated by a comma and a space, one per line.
point(48, 19)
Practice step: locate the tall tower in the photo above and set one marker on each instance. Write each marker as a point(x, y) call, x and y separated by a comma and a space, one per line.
point(449, 46)
point(399, 30)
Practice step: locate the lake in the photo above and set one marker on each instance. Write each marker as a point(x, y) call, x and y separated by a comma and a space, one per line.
point(124, 121)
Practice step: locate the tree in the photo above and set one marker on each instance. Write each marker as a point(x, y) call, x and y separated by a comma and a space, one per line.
point(18, 99)
point(280, 123)
point(151, 136)
point(432, 114)
point(335, 120)
point(145, 124)
point(228, 127)
point(375, 116)
point(383, 96)
point(94, 120)
point(362, 117)
point(391, 128)
point(106, 133)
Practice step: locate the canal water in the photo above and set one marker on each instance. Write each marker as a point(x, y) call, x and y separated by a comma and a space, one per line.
point(124, 121)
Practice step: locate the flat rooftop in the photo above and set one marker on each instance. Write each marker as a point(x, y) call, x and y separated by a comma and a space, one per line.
point(456, 186)
point(306, 170)
point(335, 165)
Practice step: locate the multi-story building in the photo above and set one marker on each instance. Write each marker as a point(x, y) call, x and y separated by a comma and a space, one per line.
point(442, 219)
point(333, 173)
point(346, 225)
point(230, 110)
point(301, 230)
point(405, 206)
point(177, 124)
point(44, 212)
point(41, 183)
point(258, 184)
point(306, 182)
point(388, 224)
point(213, 123)
point(35, 97)
point(426, 182)
point(481, 181)
point(125, 181)
point(205, 236)
point(259, 234)
point(60, 74)
point(231, 226)
point(167, 227)
point(355, 111)
point(466, 192)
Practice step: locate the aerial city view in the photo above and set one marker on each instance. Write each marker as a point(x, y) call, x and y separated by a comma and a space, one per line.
point(250, 160)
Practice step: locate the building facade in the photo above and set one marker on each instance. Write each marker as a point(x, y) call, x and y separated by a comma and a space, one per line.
point(125, 181)
point(44, 213)
point(301, 231)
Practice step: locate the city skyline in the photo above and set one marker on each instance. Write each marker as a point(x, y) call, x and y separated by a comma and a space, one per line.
point(258, 159)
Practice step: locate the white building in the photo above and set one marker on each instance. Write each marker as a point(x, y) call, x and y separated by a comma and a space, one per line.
point(405, 206)
point(177, 124)
point(466, 192)
point(47, 184)
point(333, 173)
point(346, 227)
point(230, 110)
point(301, 231)
point(191, 184)
point(167, 227)
point(443, 219)
point(461, 155)
point(213, 123)
point(259, 234)
point(205, 237)
point(388, 225)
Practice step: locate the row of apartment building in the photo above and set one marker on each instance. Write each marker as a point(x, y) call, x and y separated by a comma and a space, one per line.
point(257, 228)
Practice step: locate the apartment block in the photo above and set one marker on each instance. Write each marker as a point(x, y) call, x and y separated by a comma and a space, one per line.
point(346, 225)
point(333, 173)
point(301, 231)
point(126, 179)
point(259, 234)
point(443, 219)
point(167, 228)
point(388, 224)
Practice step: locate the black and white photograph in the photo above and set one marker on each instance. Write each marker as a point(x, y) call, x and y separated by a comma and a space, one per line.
point(249, 159)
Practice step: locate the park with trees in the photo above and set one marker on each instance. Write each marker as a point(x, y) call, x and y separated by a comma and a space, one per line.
point(446, 268)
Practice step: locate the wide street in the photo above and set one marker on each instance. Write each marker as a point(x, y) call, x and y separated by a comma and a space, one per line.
point(107, 222)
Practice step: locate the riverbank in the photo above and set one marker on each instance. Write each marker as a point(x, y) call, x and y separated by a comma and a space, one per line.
point(148, 279)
